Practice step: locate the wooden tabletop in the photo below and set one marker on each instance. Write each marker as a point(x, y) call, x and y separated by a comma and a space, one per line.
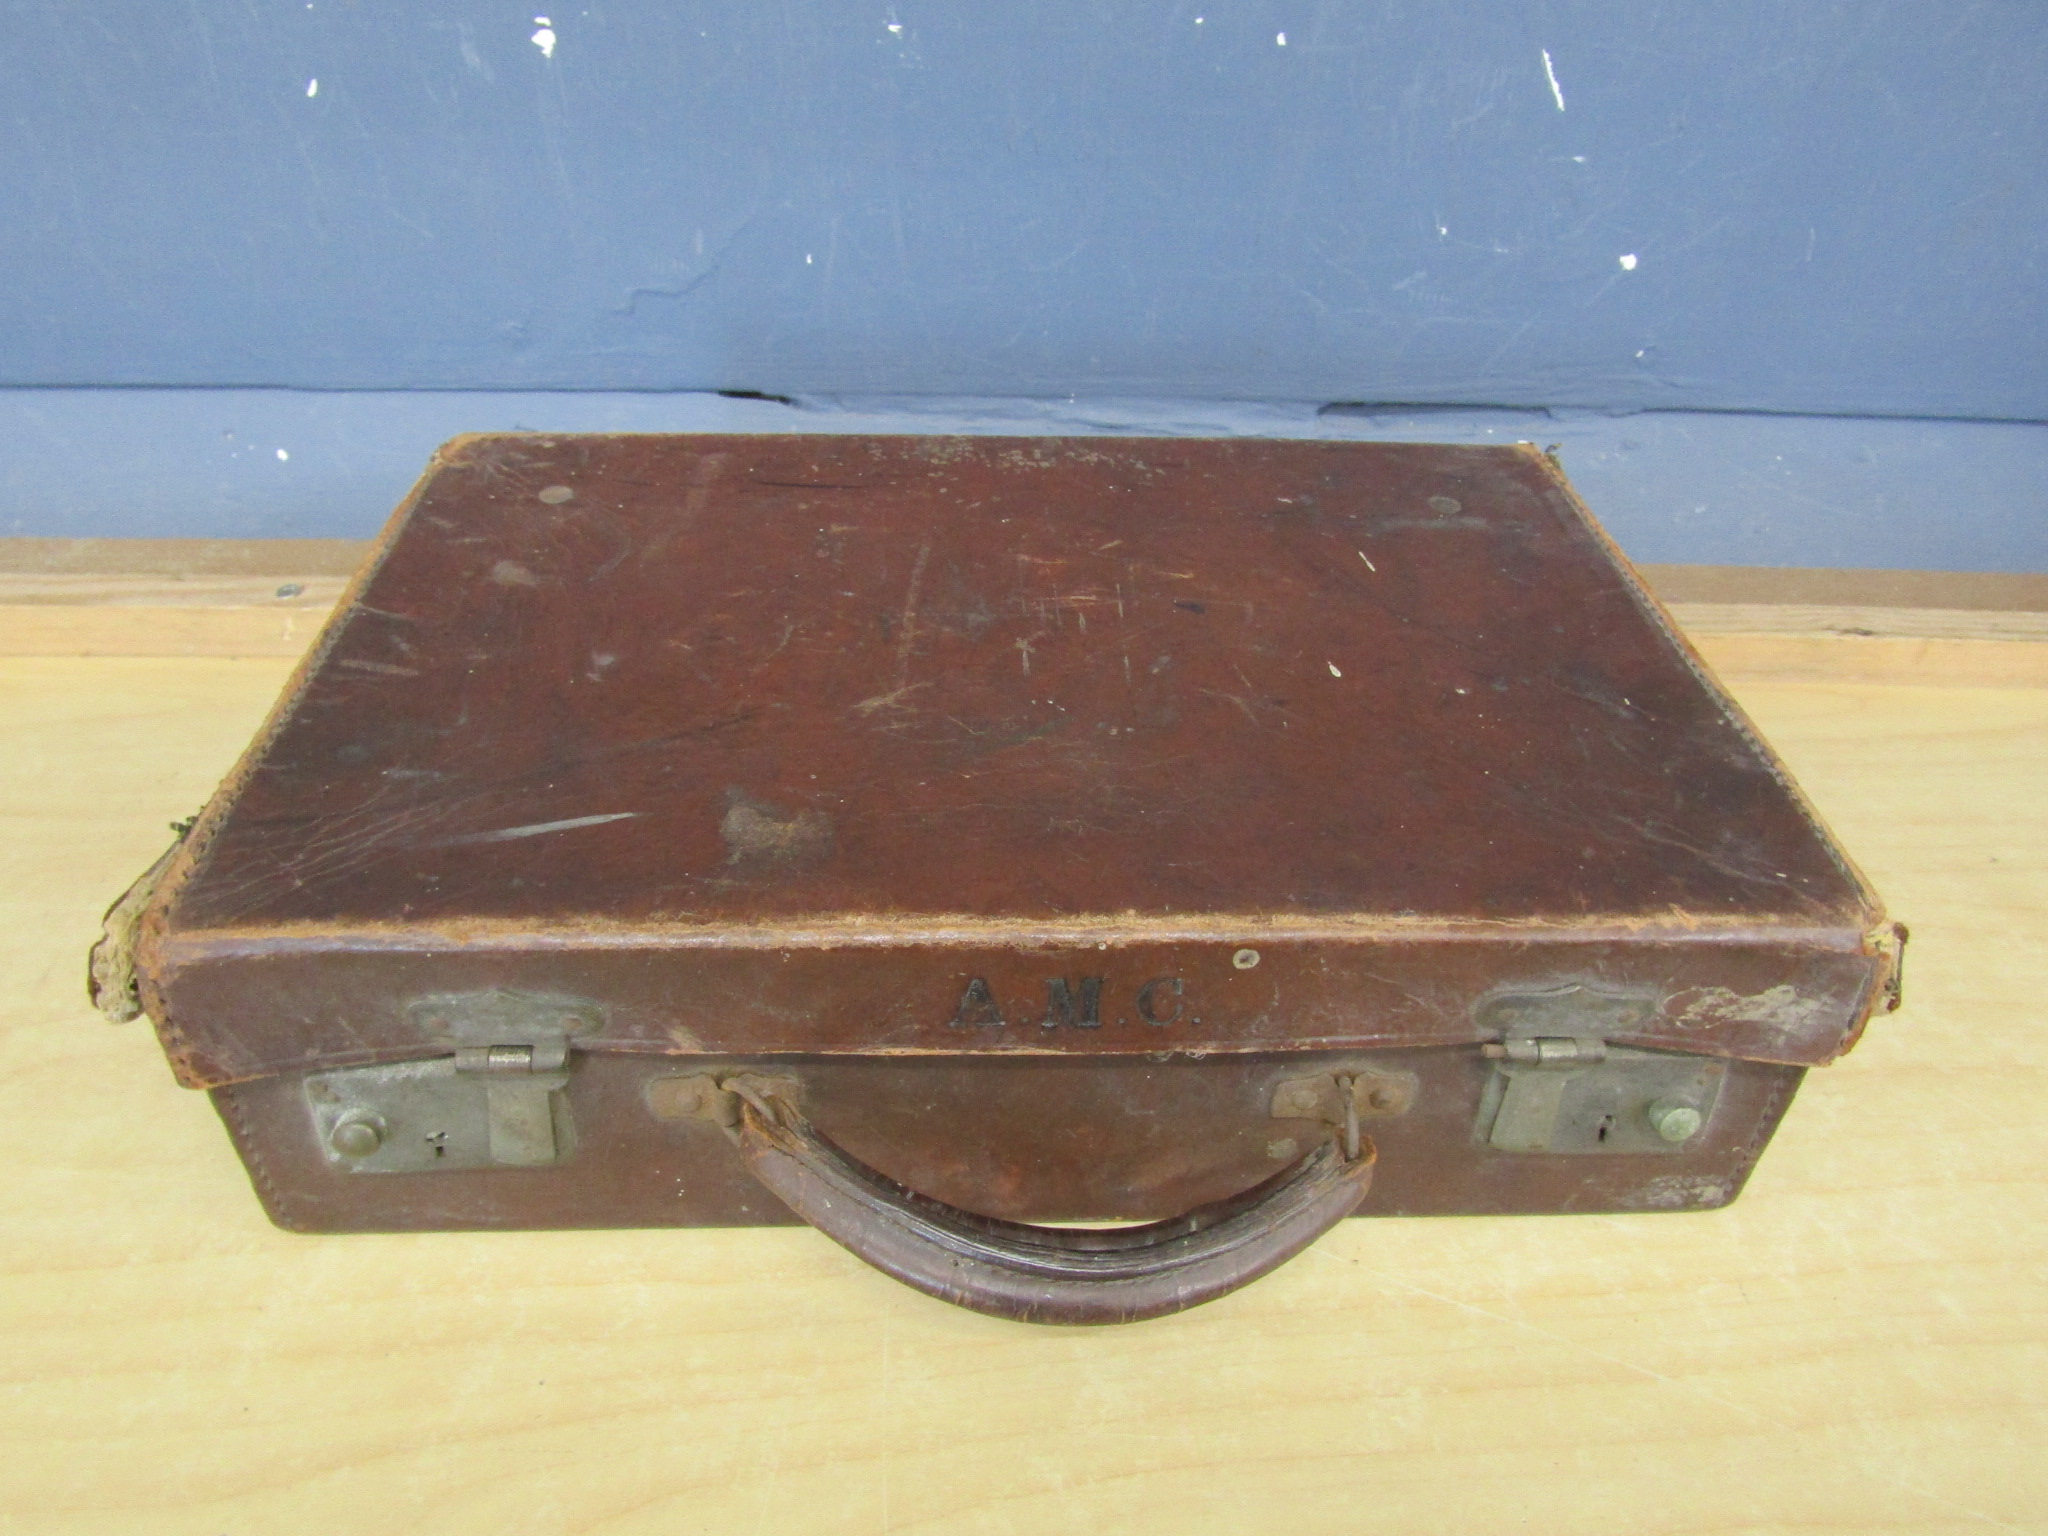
point(1859, 1343)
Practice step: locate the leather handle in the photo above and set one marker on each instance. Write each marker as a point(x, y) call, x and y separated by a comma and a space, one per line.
point(1045, 1274)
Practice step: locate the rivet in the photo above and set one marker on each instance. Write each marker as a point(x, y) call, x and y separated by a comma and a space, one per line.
point(1674, 1121)
point(1245, 959)
point(356, 1138)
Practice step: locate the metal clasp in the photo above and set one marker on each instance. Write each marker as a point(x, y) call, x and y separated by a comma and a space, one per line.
point(1559, 1086)
point(495, 1102)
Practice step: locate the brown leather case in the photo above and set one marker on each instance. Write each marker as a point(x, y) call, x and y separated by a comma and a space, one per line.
point(941, 839)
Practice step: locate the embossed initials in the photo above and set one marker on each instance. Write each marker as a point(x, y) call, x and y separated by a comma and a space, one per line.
point(1074, 1004)
point(1155, 995)
point(977, 1008)
point(1077, 1012)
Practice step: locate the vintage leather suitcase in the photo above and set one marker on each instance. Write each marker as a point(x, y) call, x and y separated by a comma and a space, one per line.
point(954, 842)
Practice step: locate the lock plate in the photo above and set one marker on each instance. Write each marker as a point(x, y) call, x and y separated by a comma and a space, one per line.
point(1558, 1086)
point(432, 1116)
point(1609, 1105)
point(495, 1103)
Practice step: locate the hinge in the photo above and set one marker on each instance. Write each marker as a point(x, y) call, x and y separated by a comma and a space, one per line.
point(1562, 1052)
point(508, 1060)
point(495, 1102)
point(1532, 1091)
point(519, 1097)
point(1560, 1088)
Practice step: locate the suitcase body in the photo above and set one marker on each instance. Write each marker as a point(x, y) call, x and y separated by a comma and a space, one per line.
point(936, 839)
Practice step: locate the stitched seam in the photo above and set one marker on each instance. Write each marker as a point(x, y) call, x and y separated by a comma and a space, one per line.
point(1767, 1123)
point(244, 1138)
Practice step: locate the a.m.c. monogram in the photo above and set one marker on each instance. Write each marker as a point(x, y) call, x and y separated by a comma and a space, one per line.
point(1072, 1004)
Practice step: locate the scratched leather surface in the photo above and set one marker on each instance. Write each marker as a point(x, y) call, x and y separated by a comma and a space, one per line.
point(871, 675)
point(799, 704)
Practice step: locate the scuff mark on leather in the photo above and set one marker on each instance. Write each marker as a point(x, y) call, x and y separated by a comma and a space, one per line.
point(1676, 1191)
point(760, 835)
point(1781, 1009)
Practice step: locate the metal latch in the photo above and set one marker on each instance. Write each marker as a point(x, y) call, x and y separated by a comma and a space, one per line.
point(496, 1104)
point(1557, 1091)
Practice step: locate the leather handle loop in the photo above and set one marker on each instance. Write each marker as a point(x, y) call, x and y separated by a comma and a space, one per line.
point(1045, 1274)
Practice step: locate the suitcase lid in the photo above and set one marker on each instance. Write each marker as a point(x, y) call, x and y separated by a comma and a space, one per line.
point(628, 693)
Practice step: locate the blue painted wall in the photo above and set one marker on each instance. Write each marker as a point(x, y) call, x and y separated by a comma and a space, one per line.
point(1829, 207)
point(1760, 206)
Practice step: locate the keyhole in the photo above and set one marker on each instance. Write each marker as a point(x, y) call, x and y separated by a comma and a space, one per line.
point(439, 1142)
point(1606, 1125)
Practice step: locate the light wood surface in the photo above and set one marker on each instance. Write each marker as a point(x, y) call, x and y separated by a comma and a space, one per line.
point(1860, 1343)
